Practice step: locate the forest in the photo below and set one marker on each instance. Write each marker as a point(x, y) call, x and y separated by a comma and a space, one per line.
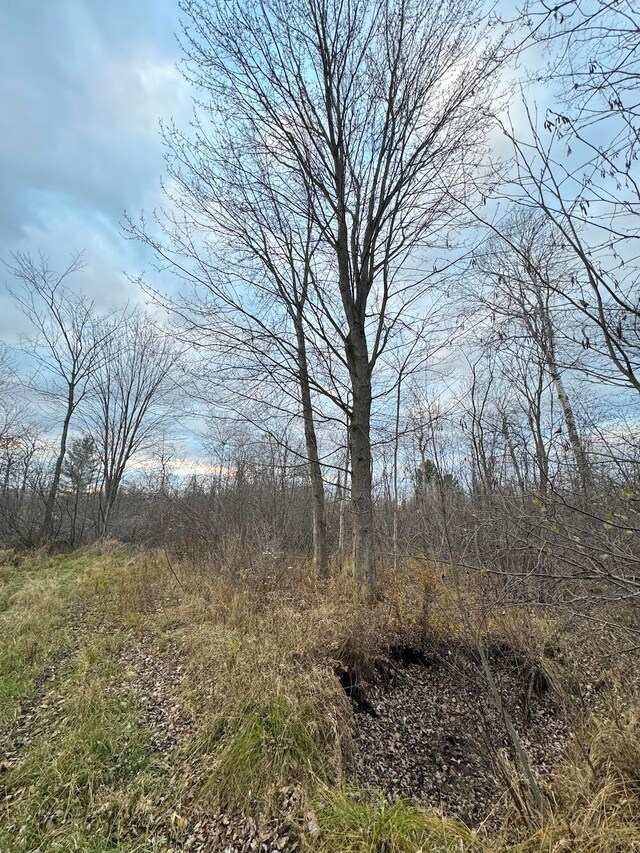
point(328, 537)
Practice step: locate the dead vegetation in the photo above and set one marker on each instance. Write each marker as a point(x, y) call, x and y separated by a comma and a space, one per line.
point(196, 710)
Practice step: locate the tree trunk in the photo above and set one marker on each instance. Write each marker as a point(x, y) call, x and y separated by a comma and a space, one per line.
point(549, 353)
point(110, 495)
point(572, 430)
point(364, 566)
point(542, 458)
point(47, 524)
point(74, 523)
point(357, 357)
point(342, 505)
point(396, 450)
point(319, 519)
point(512, 454)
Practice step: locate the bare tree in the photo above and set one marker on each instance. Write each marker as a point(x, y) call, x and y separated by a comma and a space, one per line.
point(9, 403)
point(578, 164)
point(130, 401)
point(248, 291)
point(519, 276)
point(370, 113)
point(68, 346)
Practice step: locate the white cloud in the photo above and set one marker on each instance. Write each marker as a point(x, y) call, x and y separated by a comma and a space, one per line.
point(83, 85)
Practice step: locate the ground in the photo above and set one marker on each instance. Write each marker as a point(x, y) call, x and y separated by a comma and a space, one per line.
point(149, 705)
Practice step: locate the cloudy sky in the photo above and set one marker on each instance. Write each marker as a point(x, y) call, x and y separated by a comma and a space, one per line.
point(83, 84)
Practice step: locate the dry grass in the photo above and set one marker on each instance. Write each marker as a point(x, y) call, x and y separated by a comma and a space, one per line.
point(269, 710)
point(268, 716)
point(259, 649)
point(598, 792)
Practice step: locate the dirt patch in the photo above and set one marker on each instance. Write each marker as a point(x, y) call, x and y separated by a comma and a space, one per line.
point(434, 734)
point(158, 677)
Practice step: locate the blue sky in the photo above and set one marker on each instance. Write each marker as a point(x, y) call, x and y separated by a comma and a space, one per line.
point(83, 84)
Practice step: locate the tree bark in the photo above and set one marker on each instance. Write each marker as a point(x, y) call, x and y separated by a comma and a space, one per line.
point(47, 524)
point(342, 505)
point(364, 565)
point(579, 455)
point(582, 464)
point(319, 520)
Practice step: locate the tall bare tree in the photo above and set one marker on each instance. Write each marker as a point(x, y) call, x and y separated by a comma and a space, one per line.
point(249, 290)
point(68, 346)
point(519, 276)
point(370, 113)
point(130, 401)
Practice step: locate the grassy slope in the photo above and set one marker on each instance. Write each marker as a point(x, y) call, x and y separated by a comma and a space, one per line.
point(268, 713)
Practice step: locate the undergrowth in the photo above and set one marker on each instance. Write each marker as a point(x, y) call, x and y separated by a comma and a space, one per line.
point(269, 714)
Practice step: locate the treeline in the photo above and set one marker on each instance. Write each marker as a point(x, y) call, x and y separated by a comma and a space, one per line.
point(104, 380)
point(389, 344)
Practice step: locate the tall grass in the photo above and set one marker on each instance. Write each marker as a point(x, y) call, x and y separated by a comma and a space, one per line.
point(269, 716)
point(598, 791)
point(264, 747)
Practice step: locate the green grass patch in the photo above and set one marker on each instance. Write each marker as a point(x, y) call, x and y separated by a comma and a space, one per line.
point(354, 823)
point(33, 595)
point(87, 775)
point(263, 748)
point(37, 594)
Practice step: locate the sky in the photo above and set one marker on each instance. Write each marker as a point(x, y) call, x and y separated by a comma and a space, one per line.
point(83, 85)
